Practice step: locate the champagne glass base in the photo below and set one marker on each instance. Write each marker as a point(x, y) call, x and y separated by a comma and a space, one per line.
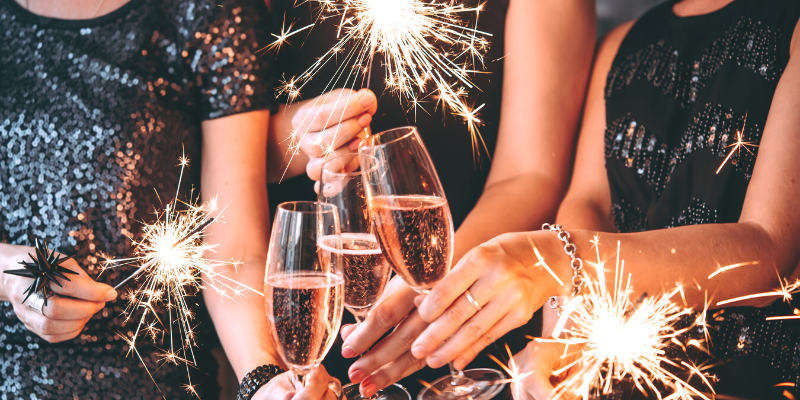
point(477, 384)
point(392, 392)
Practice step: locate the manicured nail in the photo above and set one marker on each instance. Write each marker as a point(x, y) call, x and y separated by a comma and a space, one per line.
point(111, 294)
point(366, 100)
point(418, 300)
point(364, 120)
point(368, 389)
point(419, 352)
point(348, 352)
point(357, 376)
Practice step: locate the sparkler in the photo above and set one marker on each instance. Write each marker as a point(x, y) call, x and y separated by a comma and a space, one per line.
point(738, 145)
point(428, 53)
point(617, 339)
point(171, 255)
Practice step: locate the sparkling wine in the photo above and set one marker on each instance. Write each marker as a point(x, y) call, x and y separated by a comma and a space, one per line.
point(366, 271)
point(416, 235)
point(305, 311)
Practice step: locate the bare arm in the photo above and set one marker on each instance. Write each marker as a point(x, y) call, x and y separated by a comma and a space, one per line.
point(233, 168)
point(501, 274)
point(549, 46)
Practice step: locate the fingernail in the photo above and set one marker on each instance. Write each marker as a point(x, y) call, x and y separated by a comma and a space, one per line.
point(111, 294)
point(418, 300)
point(348, 352)
point(366, 100)
point(367, 390)
point(355, 144)
point(364, 120)
point(356, 376)
point(434, 362)
point(419, 352)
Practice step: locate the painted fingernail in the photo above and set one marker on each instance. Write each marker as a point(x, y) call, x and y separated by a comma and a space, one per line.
point(364, 120)
point(348, 352)
point(366, 100)
point(111, 294)
point(368, 389)
point(434, 362)
point(419, 352)
point(357, 376)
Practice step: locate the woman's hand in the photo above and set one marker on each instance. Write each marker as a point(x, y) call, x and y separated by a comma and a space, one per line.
point(536, 363)
point(66, 312)
point(282, 387)
point(331, 123)
point(506, 279)
point(390, 360)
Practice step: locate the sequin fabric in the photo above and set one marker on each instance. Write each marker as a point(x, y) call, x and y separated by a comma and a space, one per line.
point(686, 103)
point(748, 43)
point(654, 160)
point(93, 118)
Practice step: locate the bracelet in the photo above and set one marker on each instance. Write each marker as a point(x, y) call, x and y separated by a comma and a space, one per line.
point(257, 378)
point(575, 262)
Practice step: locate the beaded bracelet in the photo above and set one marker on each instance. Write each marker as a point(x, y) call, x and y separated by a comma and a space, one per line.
point(257, 378)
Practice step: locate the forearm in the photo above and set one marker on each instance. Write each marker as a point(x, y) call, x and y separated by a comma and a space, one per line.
point(284, 161)
point(241, 322)
point(584, 214)
point(657, 260)
point(521, 203)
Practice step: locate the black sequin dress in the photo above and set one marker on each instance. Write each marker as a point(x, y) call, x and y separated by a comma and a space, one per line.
point(678, 91)
point(94, 115)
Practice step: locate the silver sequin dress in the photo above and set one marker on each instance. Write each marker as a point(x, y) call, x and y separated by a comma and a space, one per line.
point(94, 115)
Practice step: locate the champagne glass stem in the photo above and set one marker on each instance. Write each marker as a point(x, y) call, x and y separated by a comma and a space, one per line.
point(456, 375)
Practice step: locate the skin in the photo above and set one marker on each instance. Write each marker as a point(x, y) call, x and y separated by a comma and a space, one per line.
point(62, 318)
point(233, 171)
point(766, 232)
point(546, 71)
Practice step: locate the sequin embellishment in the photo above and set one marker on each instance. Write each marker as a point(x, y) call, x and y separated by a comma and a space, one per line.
point(747, 43)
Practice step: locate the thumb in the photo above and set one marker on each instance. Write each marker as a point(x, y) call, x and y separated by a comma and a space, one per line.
point(82, 286)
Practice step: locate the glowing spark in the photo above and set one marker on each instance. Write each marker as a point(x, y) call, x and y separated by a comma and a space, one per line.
point(541, 262)
point(285, 34)
point(786, 291)
point(171, 260)
point(511, 369)
point(426, 48)
point(738, 145)
point(730, 267)
point(616, 339)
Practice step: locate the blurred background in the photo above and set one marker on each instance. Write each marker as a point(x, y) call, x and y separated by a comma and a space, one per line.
point(611, 13)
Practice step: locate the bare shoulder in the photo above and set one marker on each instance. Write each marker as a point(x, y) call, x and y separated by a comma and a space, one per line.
point(610, 43)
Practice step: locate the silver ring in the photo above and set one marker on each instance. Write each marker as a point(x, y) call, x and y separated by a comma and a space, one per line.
point(471, 300)
point(36, 302)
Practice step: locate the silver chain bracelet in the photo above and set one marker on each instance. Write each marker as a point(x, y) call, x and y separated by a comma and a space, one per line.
point(576, 263)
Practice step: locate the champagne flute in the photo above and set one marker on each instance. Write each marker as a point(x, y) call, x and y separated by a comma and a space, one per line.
point(415, 231)
point(304, 284)
point(366, 271)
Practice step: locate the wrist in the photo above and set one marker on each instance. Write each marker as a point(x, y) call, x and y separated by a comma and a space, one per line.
point(254, 380)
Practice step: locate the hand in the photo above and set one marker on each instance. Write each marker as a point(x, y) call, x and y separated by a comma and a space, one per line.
point(536, 363)
point(331, 123)
point(391, 359)
point(502, 277)
point(282, 387)
point(63, 318)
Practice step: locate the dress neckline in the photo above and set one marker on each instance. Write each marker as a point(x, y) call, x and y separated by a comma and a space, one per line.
point(728, 8)
point(48, 22)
